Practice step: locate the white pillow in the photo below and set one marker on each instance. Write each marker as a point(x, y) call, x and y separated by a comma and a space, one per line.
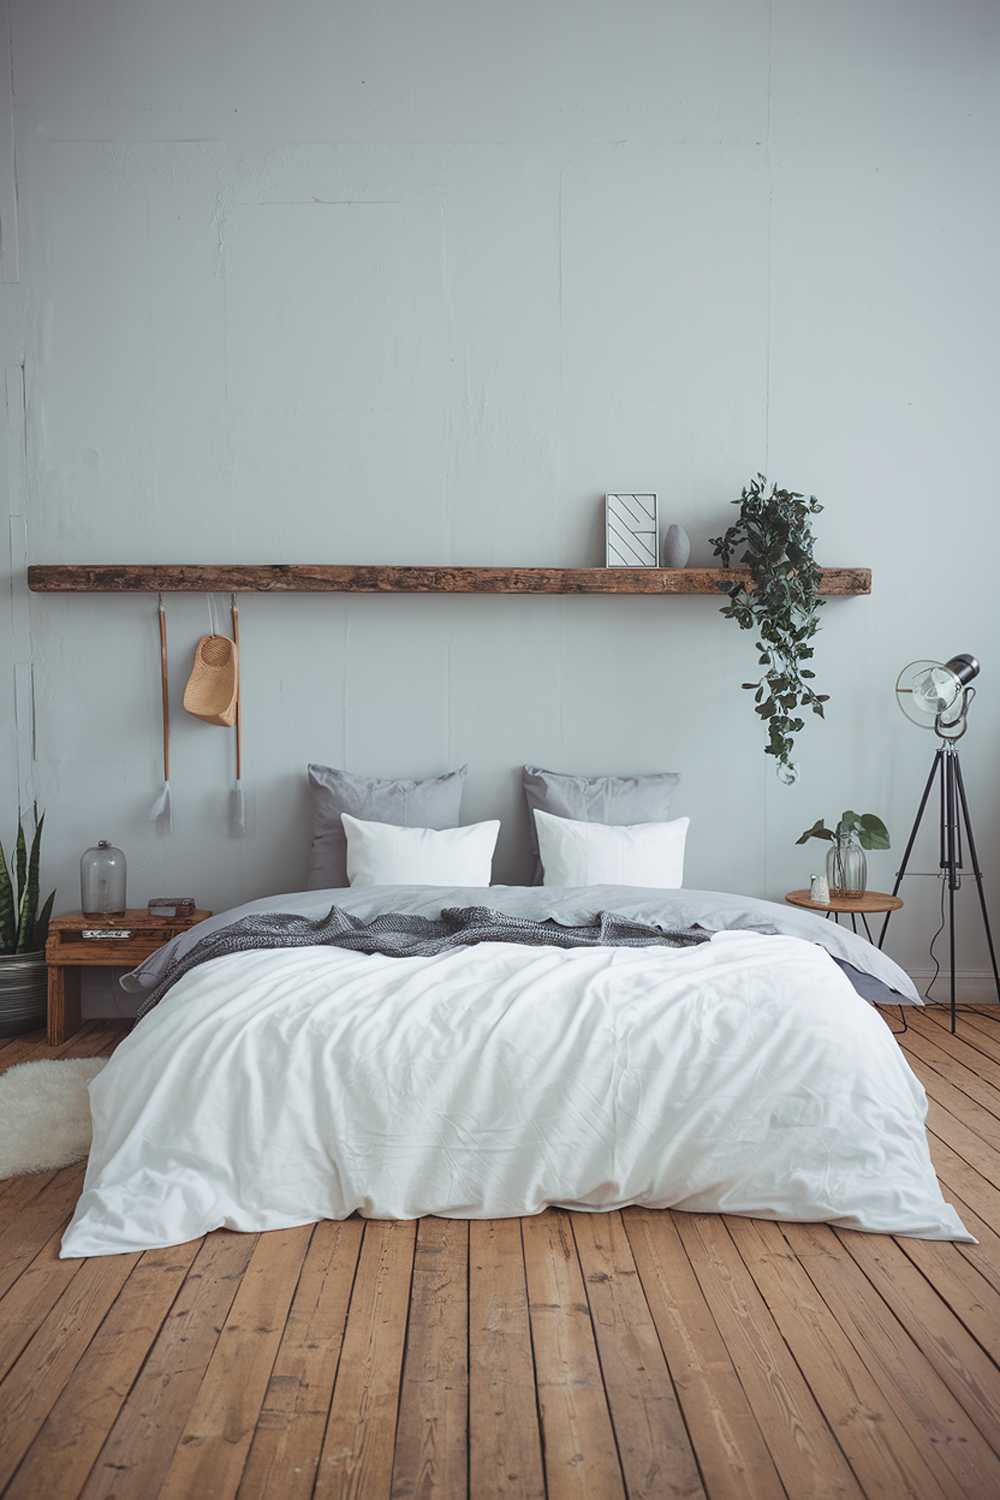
point(385, 854)
point(650, 854)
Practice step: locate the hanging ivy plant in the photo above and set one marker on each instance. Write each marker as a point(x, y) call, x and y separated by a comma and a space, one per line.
point(774, 539)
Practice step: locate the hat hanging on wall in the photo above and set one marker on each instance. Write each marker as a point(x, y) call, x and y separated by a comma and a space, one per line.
point(162, 812)
point(213, 687)
point(213, 694)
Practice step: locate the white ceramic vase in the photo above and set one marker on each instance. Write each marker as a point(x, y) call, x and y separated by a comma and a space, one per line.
point(676, 547)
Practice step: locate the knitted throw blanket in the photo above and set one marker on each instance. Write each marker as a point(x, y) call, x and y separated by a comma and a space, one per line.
point(397, 935)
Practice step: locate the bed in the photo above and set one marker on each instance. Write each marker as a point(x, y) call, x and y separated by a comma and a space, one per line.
point(745, 1073)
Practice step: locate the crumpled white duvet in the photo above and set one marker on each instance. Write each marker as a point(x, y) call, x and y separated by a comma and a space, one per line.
point(273, 1088)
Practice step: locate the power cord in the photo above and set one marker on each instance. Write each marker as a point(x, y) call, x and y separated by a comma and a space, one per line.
point(930, 951)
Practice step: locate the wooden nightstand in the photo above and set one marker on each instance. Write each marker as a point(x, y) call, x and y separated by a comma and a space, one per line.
point(77, 942)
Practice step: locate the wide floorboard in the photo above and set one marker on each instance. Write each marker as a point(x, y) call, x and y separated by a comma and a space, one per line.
point(638, 1354)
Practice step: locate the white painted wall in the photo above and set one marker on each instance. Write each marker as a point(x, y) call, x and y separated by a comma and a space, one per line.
point(417, 283)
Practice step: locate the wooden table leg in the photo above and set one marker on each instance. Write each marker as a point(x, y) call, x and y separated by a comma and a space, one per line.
point(64, 1003)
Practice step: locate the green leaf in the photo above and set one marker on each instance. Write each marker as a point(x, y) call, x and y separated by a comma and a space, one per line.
point(41, 932)
point(8, 927)
point(819, 830)
point(28, 906)
point(22, 860)
point(873, 833)
point(22, 943)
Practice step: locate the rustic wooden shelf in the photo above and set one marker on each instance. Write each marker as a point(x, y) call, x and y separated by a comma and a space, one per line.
point(279, 578)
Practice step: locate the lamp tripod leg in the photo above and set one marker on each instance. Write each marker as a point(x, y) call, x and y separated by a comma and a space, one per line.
point(935, 767)
point(977, 872)
point(951, 954)
point(951, 864)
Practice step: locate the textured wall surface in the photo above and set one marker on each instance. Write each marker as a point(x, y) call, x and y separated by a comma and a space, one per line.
point(418, 283)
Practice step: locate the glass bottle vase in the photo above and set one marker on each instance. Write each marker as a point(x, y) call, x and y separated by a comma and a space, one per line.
point(846, 869)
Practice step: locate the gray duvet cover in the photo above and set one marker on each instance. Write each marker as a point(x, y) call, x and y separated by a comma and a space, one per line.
point(874, 975)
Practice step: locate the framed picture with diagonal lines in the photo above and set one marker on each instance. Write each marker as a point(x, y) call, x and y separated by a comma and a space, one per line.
point(631, 531)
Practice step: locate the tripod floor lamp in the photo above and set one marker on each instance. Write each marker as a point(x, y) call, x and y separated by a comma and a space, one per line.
point(938, 696)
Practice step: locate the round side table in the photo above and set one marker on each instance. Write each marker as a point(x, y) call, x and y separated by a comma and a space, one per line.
point(869, 904)
point(848, 906)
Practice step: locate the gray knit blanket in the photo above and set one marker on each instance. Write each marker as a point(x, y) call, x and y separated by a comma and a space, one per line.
point(398, 935)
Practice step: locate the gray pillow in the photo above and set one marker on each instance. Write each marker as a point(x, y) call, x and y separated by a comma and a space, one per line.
point(618, 800)
point(436, 803)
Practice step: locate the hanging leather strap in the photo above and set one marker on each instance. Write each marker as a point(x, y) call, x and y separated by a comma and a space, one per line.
point(165, 690)
point(234, 610)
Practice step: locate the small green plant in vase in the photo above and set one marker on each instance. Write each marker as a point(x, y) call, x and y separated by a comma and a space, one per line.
point(846, 865)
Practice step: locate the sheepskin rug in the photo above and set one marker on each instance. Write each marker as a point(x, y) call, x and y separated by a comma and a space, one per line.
point(45, 1114)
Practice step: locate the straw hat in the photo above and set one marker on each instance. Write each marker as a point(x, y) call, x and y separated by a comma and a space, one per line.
point(214, 684)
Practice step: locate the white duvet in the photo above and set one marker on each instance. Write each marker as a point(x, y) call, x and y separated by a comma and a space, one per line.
point(273, 1088)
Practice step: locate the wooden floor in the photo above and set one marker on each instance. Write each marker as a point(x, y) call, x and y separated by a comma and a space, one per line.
point(637, 1353)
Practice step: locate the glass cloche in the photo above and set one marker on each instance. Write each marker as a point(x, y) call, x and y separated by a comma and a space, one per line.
point(102, 881)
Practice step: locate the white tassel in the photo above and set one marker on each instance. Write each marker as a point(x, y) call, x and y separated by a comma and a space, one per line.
point(238, 819)
point(162, 810)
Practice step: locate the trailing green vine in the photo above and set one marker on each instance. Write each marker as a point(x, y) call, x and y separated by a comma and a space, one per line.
point(781, 602)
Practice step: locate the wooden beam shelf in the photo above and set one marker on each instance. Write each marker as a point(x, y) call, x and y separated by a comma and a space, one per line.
point(304, 578)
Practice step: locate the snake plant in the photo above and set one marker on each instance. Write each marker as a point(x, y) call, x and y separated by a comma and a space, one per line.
point(23, 928)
